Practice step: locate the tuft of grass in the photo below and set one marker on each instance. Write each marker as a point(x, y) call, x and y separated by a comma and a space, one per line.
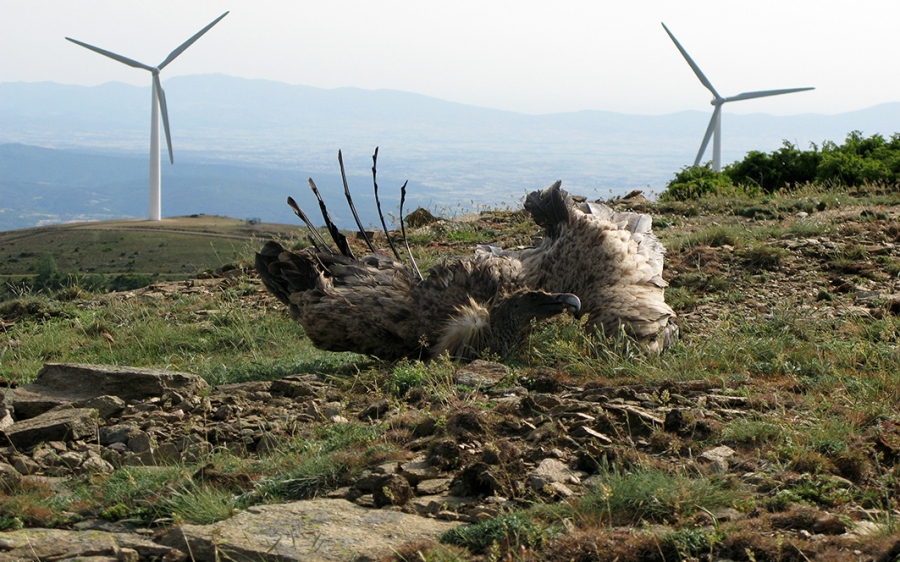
point(508, 532)
point(435, 379)
point(764, 256)
point(714, 236)
point(312, 464)
point(652, 495)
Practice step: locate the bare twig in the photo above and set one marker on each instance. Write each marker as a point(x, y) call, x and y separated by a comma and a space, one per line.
point(339, 239)
point(378, 205)
point(403, 230)
point(353, 207)
point(314, 235)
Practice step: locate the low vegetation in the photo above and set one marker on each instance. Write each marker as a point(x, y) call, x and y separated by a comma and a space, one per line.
point(859, 161)
point(786, 299)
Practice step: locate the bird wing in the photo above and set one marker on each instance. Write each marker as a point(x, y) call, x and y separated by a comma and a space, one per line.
point(344, 304)
point(610, 260)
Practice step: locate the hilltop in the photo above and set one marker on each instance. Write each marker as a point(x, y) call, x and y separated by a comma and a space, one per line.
point(769, 432)
point(173, 248)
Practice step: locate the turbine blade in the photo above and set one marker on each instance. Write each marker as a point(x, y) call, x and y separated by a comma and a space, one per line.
point(165, 113)
point(189, 42)
point(709, 131)
point(110, 54)
point(703, 79)
point(764, 93)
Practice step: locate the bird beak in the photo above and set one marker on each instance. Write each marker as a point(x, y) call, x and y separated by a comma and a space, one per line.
point(570, 301)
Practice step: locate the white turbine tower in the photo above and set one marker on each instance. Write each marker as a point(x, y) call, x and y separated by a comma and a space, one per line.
point(715, 124)
point(157, 103)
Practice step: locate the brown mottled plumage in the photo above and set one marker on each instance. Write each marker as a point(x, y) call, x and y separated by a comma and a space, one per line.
point(378, 306)
point(611, 261)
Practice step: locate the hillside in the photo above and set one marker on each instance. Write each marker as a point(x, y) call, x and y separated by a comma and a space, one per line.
point(769, 432)
point(173, 248)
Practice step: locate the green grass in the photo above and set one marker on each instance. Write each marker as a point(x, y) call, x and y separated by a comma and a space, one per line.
point(823, 389)
point(508, 532)
point(174, 248)
point(227, 342)
point(311, 463)
point(651, 495)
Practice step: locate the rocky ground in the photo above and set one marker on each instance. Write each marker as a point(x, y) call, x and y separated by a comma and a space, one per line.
point(503, 447)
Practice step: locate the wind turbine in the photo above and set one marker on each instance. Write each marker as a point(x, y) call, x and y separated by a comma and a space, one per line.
point(157, 103)
point(715, 124)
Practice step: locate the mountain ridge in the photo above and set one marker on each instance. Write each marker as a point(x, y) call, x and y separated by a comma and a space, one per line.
point(454, 155)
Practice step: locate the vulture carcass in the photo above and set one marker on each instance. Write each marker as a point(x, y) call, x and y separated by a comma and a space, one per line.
point(611, 261)
point(378, 306)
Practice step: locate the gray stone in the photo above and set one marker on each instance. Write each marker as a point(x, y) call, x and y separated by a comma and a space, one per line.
point(549, 471)
point(559, 490)
point(6, 411)
point(63, 383)
point(419, 469)
point(25, 465)
point(57, 544)
point(481, 374)
point(331, 410)
point(59, 425)
point(107, 406)
point(93, 463)
point(432, 487)
point(717, 458)
point(168, 453)
point(9, 476)
point(140, 442)
point(70, 459)
point(392, 489)
point(319, 530)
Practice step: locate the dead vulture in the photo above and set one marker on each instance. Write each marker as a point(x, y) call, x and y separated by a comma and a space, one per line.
point(378, 306)
point(611, 261)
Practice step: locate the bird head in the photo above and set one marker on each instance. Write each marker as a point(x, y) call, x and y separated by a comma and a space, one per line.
point(512, 314)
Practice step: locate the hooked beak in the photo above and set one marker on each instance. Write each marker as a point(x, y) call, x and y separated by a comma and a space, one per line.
point(569, 301)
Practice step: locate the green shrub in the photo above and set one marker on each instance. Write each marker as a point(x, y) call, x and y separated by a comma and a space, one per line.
point(509, 531)
point(860, 161)
point(694, 182)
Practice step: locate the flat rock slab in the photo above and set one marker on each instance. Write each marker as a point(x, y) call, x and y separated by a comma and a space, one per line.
point(316, 530)
point(63, 383)
point(56, 544)
point(58, 425)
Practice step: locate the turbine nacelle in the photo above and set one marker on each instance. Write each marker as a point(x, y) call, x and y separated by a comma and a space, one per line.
point(715, 122)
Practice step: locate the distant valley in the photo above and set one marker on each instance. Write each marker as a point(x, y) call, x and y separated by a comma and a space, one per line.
point(242, 146)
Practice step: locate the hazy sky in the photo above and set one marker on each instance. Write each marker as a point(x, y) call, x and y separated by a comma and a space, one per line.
point(522, 55)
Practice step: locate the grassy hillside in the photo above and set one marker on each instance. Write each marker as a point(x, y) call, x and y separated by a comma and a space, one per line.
point(173, 248)
point(788, 365)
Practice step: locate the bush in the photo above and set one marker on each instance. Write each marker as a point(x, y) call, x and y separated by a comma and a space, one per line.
point(788, 167)
point(857, 162)
point(693, 182)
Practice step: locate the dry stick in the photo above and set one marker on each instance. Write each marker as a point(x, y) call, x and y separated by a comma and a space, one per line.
point(403, 230)
point(352, 207)
point(314, 235)
point(339, 239)
point(378, 205)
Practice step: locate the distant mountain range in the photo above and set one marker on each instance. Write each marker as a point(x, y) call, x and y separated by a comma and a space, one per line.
point(241, 146)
